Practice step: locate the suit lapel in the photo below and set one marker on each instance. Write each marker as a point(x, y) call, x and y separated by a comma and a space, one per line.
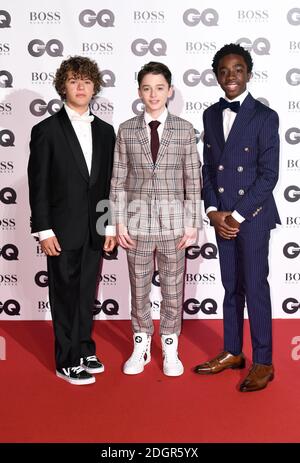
point(73, 143)
point(165, 139)
point(143, 138)
point(241, 121)
point(96, 156)
point(217, 122)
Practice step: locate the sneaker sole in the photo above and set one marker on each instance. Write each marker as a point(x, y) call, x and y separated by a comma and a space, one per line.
point(76, 382)
point(93, 370)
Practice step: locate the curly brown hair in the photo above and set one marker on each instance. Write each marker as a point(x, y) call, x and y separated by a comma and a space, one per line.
point(80, 66)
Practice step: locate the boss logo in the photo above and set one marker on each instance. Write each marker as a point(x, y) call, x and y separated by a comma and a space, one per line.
point(5, 108)
point(207, 251)
point(5, 19)
point(196, 106)
point(293, 164)
point(109, 307)
point(157, 47)
point(9, 252)
point(107, 278)
point(192, 77)
point(105, 18)
point(293, 16)
point(207, 306)
point(253, 15)
point(200, 47)
point(4, 48)
point(42, 77)
point(292, 277)
point(293, 221)
point(290, 305)
point(209, 17)
point(6, 79)
point(43, 306)
point(10, 307)
point(101, 106)
point(8, 279)
point(260, 46)
point(291, 250)
point(294, 105)
point(45, 16)
point(108, 78)
point(97, 47)
point(149, 16)
point(260, 76)
point(292, 193)
point(7, 224)
point(7, 138)
point(293, 76)
point(41, 279)
point(200, 278)
point(53, 48)
point(39, 107)
point(292, 136)
point(6, 167)
point(137, 106)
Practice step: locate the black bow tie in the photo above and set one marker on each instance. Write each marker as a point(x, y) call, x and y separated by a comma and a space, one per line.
point(234, 105)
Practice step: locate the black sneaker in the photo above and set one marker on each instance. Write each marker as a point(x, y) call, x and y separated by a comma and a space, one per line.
point(75, 375)
point(92, 364)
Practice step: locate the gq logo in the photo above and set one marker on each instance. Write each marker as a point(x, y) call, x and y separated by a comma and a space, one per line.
point(41, 279)
point(192, 77)
point(137, 107)
point(109, 307)
point(290, 305)
point(53, 48)
point(10, 307)
point(6, 79)
point(293, 76)
point(208, 17)
point(5, 19)
point(9, 252)
point(105, 18)
point(293, 16)
point(291, 250)
point(207, 251)
point(155, 278)
point(292, 136)
point(263, 101)
point(260, 46)
point(292, 193)
point(7, 138)
point(39, 107)
point(156, 47)
point(207, 306)
point(110, 255)
point(108, 78)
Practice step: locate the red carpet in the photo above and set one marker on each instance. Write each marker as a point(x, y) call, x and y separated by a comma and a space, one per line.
point(36, 406)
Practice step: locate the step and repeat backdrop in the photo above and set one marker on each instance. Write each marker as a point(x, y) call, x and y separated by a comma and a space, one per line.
point(36, 36)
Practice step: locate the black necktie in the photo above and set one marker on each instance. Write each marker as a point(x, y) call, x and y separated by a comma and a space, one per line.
point(154, 142)
point(234, 105)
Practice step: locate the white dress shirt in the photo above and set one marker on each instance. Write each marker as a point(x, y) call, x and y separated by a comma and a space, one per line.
point(228, 120)
point(162, 119)
point(83, 132)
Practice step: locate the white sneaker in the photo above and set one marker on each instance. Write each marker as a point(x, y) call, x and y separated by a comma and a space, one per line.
point(172, 366)
point(140, 355)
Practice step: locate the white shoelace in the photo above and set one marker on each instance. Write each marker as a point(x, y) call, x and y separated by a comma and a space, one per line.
point(77, 370)
point(92, 358)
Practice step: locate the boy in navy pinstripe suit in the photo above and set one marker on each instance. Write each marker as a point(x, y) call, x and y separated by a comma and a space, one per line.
point(240, 171)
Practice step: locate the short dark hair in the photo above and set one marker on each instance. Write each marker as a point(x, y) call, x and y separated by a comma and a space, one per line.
point(80, 66)
point(154, 67)
point(229, 49)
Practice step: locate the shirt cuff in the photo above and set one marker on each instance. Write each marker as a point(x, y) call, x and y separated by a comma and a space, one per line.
point(210, 209)
point(44, 234)
point(238, 217)
point(110, 230)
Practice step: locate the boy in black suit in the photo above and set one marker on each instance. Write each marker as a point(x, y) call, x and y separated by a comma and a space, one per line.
point(69, 171)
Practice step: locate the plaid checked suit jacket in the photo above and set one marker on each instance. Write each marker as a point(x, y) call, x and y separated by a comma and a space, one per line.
point(158, 198)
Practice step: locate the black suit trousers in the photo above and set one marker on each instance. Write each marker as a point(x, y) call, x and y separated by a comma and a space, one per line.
point(72, 286)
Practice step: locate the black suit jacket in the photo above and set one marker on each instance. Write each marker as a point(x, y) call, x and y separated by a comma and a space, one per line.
point(63, 196)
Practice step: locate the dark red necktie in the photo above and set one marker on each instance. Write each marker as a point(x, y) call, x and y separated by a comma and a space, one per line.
point(154, 143)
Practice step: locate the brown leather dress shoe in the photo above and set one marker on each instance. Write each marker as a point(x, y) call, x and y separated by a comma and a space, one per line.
point(258, 377)
point(221, 362)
